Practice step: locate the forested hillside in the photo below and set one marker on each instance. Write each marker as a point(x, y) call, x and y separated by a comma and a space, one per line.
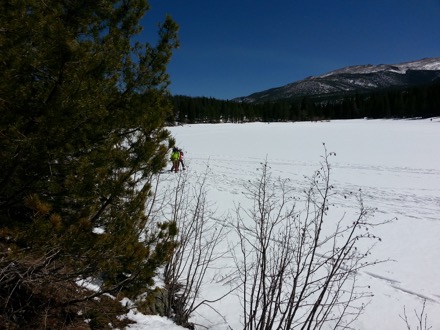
point(423, 101)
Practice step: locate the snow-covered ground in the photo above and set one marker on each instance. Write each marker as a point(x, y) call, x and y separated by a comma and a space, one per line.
point(396, 163)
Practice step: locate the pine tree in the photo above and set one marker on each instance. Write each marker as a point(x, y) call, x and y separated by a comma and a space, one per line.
point(82, 110)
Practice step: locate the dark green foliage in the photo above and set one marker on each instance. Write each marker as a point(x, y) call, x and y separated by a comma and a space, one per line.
point(82, 111)
point(422, 101)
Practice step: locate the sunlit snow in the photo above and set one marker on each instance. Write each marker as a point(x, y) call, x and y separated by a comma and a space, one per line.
point(396, 163)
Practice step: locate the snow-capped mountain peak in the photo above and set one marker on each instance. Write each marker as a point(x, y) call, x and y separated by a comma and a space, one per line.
point(358, 78)
point(431, 64)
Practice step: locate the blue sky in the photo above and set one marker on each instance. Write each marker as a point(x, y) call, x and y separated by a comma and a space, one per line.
point(232, 48)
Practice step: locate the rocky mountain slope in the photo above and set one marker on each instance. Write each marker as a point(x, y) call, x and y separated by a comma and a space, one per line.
point(359, 78)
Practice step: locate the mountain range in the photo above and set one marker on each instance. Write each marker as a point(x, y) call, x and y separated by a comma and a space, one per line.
point(354, 79)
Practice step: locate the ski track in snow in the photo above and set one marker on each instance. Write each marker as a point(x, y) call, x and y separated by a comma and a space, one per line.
point(227, 175)
point(411, 194)
point(395, 285)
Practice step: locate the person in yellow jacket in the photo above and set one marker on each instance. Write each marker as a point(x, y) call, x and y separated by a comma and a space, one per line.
point(175, 159)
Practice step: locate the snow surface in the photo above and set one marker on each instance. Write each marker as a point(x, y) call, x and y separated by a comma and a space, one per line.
point(396, 163)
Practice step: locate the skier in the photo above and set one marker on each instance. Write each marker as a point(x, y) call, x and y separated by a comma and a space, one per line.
point(175, 159)
point(181, 159)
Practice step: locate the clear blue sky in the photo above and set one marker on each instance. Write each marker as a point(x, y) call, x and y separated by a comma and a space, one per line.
point(232, 48)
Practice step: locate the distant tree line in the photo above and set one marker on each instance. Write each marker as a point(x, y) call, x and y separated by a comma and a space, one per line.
point(423, 101)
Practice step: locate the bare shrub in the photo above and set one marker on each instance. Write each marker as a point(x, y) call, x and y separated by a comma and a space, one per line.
point(40, 292)
point(422, 319)
point(197, 240)
point(298, 267)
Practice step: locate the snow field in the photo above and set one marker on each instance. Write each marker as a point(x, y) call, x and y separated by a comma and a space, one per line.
point(395, 163)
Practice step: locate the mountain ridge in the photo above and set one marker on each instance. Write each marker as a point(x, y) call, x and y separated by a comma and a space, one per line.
point(351, 79)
